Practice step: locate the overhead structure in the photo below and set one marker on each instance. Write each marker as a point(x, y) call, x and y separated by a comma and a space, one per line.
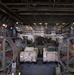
point(5, 19)
point(12, 14)
point(43, 11)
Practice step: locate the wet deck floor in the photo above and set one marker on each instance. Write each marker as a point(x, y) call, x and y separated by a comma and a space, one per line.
point(38, 69)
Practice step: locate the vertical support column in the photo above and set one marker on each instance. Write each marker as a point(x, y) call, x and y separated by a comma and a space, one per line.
point(68, 56)
point(3, 64)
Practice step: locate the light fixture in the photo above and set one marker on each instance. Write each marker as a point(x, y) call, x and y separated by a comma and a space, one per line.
point(72, 28)
point(3, 24)
point(73, 22)
point(16, 22)
point(11, 28)
point(63, 23)
point(57, 23)
point(40, 23)
point(46, 23)
point(34, 23)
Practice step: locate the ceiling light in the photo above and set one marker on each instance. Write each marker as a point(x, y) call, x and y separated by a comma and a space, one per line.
point(34, 23)
point(46, 23)
point(3, 24)
point(16, 22)
point(11, 28)
point(63, 23)
point(72, 28)
point(57, 23)
point(40, 23)
point(73, 22)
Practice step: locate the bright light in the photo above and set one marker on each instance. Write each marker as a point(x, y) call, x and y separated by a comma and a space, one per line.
point(46, 23)
point(73, 22)
point(42, 35)
point(72, 28)
point(63, 23)
point(34, 23)
point(11, 28)
point(26, 57)
point(53, 34)
point(12, 73)
point(16, 22)
point(3, 24)
point(40, 23)
point(21, 56)
point(60, 37)
point(57, 23)
point(19, 73)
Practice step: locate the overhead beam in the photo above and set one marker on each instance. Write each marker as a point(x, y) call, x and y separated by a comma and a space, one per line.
point(58, 14)
point(49, 22)
point(38, 3)
point(41, 9)
point(10, 12)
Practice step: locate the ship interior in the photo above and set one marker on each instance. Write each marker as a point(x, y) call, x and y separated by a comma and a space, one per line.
point(36, 37)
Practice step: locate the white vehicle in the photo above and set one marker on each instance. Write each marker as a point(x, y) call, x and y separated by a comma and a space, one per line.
point(29, 55)
point(49, 54)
